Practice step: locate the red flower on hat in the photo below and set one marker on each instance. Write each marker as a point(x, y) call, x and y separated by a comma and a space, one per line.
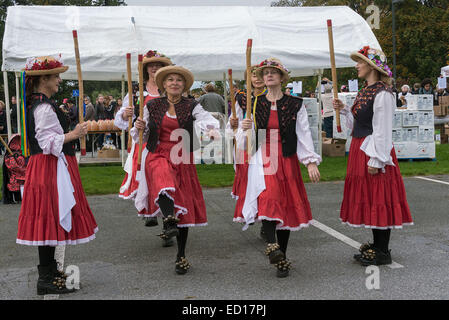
point(46, 65)
point(364, 51)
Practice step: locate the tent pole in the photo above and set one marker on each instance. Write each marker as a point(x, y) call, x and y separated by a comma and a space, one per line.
point(8, 109)
point(122, 140)
point(18, 102)
point(320, 103)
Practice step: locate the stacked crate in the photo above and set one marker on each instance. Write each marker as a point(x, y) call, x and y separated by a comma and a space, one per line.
point(348, 99)
point(413, 128)
point(313, 110)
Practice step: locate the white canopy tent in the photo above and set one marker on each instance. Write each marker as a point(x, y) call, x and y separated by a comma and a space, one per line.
point(206, 40)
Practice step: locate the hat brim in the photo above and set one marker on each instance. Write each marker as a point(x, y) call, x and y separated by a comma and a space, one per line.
point(360, 57)
point(285, 76)
point(162, 73)
point(164, 61)
point(46, 72)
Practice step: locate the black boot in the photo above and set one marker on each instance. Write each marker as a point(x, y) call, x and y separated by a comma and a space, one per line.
point(150, 221)
point(49, 284)
point(182, 265)
point(363, 248)
point(170, 228)
point(56, 273)
point(283, 268)
point(167, 243)
point(375, 257)
point(274, 253)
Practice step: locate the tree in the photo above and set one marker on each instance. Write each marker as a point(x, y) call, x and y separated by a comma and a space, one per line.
point(421, 34)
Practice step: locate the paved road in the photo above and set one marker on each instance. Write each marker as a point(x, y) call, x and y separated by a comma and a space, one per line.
point(127, 261)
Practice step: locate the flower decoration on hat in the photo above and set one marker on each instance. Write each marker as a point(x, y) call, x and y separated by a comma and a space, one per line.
point(273, 63)
point(377, 57)
point(155, 54)
point(44, 63)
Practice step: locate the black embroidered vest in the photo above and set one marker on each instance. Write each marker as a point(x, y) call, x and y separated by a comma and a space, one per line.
point(37, 99)
point(362, 109)
point(287, 108)
point(157, 109)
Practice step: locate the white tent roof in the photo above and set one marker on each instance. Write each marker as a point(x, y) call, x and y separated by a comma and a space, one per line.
point(207, 40)
point(445, 71)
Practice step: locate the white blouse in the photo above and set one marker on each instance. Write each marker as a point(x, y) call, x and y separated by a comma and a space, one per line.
point(118, 120)
point(378, 145)
point(203, 119)
point(49, 133)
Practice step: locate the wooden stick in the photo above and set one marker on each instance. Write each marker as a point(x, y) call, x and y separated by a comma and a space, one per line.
point(248, 90)
point(6, 146)
point(130, 98)
point(141, 100)
point(81, 90)
point(334, 71)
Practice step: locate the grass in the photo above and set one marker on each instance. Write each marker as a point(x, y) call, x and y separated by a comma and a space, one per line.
point(107, 179)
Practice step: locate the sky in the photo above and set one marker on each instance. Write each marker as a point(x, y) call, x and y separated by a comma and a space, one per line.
point(199, 2)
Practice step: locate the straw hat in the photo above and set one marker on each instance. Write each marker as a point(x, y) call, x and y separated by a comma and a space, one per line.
point(253, 69)
point(273, 63)
point(376, 59)
point(154, 56)
point(162, 73)
point(45, 65)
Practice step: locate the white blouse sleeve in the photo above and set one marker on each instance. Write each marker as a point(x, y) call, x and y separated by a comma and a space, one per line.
point(204, 119)
point(304, 149)
point(378, 145)
point(346, 112)
point(49, 133)
point(135, 132)
point(239, 115)
point(118, 120)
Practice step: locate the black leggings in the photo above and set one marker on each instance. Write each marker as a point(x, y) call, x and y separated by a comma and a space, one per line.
point(46, 255)
point(168, 207)
point(269, 228)
point(381, 239)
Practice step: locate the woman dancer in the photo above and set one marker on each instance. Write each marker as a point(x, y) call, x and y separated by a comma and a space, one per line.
point(173, 189)
point(54, 208)
point(152, 62)
point(374, 194)
point(276, 194)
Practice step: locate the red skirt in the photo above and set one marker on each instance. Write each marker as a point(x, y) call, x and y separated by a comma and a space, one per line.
point(177, 181)
point(39, 214)
point(129, 186)
point(373, 201)
point(284, 199)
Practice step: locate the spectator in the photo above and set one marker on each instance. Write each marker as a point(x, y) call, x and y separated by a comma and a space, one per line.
point(99, 108)
point(13, 114)
point(416, 88)
point(90, 113)
point(426, 87)
point(404, 95)
point(328, 110)
point(119, 105)
point(212, 101)
point(110, 109)
point(344, 88)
